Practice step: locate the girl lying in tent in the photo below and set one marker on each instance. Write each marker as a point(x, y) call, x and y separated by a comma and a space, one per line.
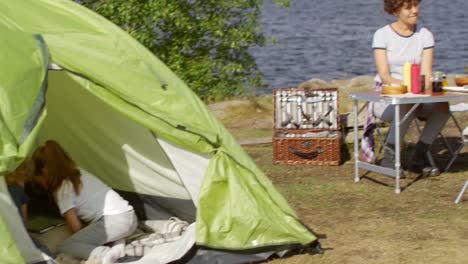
point(82, 197)
point(16, 181)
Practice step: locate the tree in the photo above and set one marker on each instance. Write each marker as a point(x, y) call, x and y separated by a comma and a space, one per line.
point(206, 42)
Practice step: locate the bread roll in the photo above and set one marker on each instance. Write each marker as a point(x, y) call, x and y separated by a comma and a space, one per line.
point(394, 89)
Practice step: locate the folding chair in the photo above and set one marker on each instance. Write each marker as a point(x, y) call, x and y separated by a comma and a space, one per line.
point(462, 107)
point(463, 141)
point(459, 196)
point(430, 171)
point(433, 170)
point(380, 136)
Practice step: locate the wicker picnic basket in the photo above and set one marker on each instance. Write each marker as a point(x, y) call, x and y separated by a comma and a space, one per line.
point(306, 126)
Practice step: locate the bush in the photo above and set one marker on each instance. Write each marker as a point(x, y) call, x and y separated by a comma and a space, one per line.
point(206, 43)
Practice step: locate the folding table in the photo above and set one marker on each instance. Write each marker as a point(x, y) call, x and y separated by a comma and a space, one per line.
point(397, 100)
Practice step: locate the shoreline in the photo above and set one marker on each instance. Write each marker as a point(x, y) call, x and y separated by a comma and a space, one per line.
point(351, 83)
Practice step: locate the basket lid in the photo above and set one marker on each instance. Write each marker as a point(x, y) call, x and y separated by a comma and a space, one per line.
point(311, 109)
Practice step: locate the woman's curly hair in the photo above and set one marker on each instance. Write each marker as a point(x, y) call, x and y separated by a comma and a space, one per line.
point(394, 6)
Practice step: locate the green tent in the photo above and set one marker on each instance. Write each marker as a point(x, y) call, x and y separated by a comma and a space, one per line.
point(68, 74)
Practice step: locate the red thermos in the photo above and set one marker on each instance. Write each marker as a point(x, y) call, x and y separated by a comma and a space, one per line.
point(415, 84)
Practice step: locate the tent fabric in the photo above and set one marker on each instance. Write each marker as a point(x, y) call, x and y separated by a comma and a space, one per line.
point(122, 152)
point(105, 142)
point(123, 115)
point(38, 104)
point(190, 166)
point(22, 75)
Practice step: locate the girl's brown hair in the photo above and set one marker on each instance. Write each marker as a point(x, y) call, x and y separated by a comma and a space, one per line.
point(23, 173)
point(59, 166)
point(394, 6)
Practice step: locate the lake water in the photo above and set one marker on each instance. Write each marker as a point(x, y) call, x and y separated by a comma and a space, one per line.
point(332, 39)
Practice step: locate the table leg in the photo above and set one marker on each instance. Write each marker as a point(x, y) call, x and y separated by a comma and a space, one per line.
point(356, 141)
point(397, 148)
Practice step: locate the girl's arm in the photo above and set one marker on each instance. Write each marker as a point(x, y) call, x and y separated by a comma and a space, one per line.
point(426, 64)
point(72, 220)
point(381, 62)
point(24, 213)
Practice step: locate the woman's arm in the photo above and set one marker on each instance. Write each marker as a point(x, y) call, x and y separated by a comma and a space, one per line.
point(426, 64)
point(72, 220)
point(381, 62)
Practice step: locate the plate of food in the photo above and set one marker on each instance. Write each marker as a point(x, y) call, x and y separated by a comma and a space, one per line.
point(463, 89)
point(461, 80)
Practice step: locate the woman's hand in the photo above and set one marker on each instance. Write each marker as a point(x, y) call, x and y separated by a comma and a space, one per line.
point(72, 220)
point(381, 62)
point(426, 64)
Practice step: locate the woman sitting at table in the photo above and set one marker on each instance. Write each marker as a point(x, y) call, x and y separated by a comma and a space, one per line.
point(393, 45)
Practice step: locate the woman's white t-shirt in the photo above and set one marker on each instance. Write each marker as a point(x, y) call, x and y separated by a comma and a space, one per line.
point(94, 200)
point(401, 49)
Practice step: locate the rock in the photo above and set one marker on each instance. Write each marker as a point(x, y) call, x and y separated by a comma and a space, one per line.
point(339, 83)
point(362, 81)
point(313, 84)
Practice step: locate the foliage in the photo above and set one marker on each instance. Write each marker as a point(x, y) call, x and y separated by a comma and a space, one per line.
point(205, 42)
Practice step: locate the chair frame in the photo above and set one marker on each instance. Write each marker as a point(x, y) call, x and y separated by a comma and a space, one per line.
point(463, 143)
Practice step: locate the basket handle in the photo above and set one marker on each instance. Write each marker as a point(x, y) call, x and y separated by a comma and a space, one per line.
point(306, 155)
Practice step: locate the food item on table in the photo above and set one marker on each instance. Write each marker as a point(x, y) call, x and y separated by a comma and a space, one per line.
point(394, 89)
point(461, 80)
point(436, 79)
point(407, 75)
point(415, 79)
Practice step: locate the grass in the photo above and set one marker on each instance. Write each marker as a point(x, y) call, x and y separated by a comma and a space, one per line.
point(366, 222)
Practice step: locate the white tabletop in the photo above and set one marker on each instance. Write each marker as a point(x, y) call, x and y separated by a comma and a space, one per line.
point(427, 97)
